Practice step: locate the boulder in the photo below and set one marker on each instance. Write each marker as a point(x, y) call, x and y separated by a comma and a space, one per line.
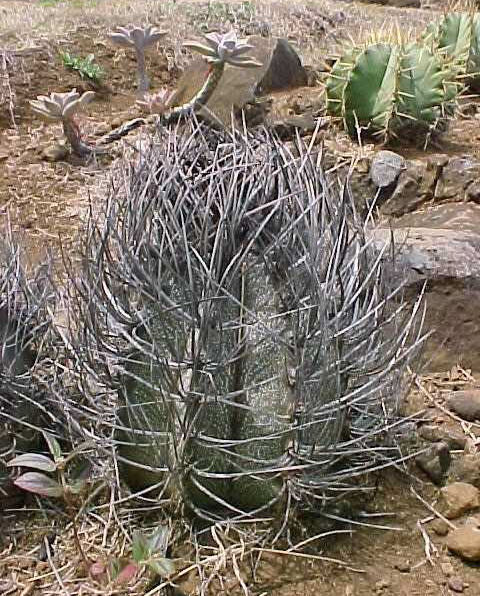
point(386, 167)
point(440, 247)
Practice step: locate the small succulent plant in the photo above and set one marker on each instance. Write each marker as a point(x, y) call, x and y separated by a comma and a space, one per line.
point(140, 39)
point(157, 103)
point(219, 51)
point(63, 107)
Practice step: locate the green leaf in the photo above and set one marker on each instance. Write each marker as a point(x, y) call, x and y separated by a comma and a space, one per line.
point(37, 483)
point(140, 547)
point(33, 460)
point(53, 446)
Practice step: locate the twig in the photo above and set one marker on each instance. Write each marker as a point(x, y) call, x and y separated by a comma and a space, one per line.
point(434, 511)
point(428, 544)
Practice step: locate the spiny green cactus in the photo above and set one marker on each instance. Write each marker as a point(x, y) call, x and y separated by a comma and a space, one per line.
point(386, 87)
point(268, 356)
point(457, 37)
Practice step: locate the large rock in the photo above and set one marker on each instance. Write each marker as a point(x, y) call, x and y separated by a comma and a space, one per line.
point(441, 246)
point(415, 186)
point(465, 542)
point(285, 70)
point(457, 180)
point(281, 69)
point(466, 404)
point(459, 498)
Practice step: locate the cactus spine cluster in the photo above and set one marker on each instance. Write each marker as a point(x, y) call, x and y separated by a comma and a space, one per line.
point(386, 87)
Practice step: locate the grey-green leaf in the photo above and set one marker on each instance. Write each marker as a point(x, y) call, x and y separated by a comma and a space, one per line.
point(35, 482)
point(33, 460)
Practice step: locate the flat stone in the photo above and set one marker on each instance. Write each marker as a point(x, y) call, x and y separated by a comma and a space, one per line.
point(465, 542)
point(459, 498)
point(440, 246)
point(466, 404)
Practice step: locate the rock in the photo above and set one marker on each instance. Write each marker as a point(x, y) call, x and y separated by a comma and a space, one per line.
point(435, 462)
point(415, 186)
point(458, 498)
point(456, 178)
point(285, 70)
point(54, 153)
point(466, 404)
point(440, 527)
point(433, 433)
point(440, 246)
point(386, 167)
point(456, 584)
point(467, 469)
point(465, 542)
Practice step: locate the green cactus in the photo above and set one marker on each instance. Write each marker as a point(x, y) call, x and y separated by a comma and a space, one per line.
point(457, 37)
point(386, 87)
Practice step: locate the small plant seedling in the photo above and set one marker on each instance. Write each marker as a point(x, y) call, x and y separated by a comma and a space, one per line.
point(85, 67)
point(148, 552)
point(63, 487)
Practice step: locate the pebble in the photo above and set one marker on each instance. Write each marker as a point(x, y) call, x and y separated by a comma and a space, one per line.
point(439, 527)
point(456, 584)
point(459, 498)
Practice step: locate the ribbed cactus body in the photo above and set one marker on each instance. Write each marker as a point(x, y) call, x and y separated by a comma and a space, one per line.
point(386, 87)
point(457, 37)
point(264, 427)
point(147, 400)
point(281, 309)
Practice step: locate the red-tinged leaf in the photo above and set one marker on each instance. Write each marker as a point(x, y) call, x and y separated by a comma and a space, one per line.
point(97, 569)
point(127, 573)
point(33, 460)
point(53, 446)
point(37, 483)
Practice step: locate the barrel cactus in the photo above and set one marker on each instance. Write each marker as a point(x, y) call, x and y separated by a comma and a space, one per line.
point(254, 350)
point(26, 309)
point(457, 37)
point(385, 88)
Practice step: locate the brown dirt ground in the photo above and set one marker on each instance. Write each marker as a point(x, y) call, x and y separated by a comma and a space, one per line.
point(46, 203)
